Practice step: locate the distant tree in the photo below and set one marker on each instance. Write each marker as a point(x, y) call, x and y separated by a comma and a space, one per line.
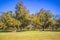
point(35, 21)
point(4, 17)
point(44, 17)
point(22, 15)
point(9, 21)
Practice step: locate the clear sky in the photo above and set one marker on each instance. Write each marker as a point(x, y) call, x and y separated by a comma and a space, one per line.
point(34, 6)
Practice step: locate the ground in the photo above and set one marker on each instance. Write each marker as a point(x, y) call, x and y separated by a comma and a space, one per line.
point(30, 35)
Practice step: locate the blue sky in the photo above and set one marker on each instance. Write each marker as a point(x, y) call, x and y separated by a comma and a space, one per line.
point(34, 6)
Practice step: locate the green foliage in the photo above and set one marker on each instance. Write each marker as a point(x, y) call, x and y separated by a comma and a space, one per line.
point(2, 25)
point(22, 15)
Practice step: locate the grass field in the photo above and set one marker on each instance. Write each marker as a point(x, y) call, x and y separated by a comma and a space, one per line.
point(30, 35)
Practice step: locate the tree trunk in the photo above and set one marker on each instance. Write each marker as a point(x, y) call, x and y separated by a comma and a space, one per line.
point(14, 30)
point(52, 28)
point(20, 28)
point(43, 28)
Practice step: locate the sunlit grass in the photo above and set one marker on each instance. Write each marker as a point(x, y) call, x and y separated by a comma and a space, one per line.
point(30, 35)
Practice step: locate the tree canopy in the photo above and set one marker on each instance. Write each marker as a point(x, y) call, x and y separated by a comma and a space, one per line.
point(21, 19)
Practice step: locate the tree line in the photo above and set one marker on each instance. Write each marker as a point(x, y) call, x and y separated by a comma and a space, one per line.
point(22, 20)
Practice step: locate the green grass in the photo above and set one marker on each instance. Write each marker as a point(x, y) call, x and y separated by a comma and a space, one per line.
point(30, 35)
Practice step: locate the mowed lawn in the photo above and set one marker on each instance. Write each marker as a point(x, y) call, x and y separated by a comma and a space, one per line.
point(30, 35)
